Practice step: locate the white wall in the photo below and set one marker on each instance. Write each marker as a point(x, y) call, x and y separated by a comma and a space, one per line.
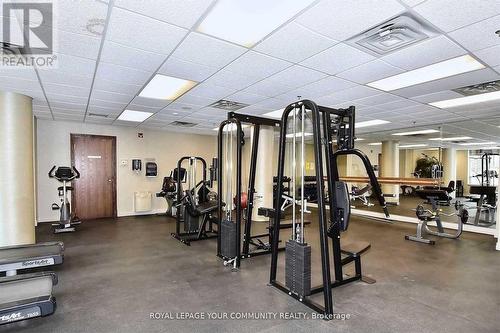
point(53, 148)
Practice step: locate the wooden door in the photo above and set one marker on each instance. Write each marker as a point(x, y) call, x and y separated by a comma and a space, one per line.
point(94, 194)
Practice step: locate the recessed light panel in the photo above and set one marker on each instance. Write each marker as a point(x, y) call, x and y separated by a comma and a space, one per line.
point(246, 22)
point(413, 146)
point(461, 101)
point(456, 138)
point(450, 67)
point(373, 122)
point(478, 143)
point(375, 144)
point(166, 87)
point(136, 116)
point(428, 131)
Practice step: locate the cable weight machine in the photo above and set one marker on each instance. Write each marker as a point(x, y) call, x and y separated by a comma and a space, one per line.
point(326, 123)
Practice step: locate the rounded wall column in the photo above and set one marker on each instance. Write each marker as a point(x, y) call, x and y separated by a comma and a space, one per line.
point(17, 197)
point(390, 168)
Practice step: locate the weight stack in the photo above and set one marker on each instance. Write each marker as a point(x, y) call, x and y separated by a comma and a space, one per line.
point(228, 239)
point(191, 223)
point(298, 267)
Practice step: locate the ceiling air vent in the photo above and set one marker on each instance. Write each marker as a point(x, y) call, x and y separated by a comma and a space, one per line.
point(182, 124)
point(393, 35)
point(100, 115)
point(481, 88)
point(228, 105)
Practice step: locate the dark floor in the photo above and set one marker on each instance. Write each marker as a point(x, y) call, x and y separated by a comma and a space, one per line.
point(116, 272)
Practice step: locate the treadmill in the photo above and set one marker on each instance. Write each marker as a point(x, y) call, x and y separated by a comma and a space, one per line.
point(27, 296)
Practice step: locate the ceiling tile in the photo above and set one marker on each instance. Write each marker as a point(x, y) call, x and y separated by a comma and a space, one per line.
point(378, 99)
point(192, 101)
point(479, 35)
point(208, 51)
point(111, 96)
point(437, 96)
point(66, 90)
point(117, 54)
point(116, 87)
point(78, 16)
point(370, 71)
point(337, 59)
point(74, 65)
point(121, 74)
point(142, 32)
point(404, 103)
point(463, 12)
point(226, 78)
point(211, 91)
point(183, 13)
point(104, 110)
point(258, 65)
point(66, 98)
point(497, 68)
point(341, 19)
point(106, 104)
point(58, 77)
point(271, 104)
point(26, 73)
point(491, 55)
point(186, 70)
point(283, 43)
point(79, 45)
point(353, 93)
point(268, 87)
point(68, 106)
point(427, 52)
point(245, 97)
point(297, 76)
point(325, 86)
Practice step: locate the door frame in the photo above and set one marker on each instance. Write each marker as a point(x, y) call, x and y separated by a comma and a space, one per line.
point(113, 161)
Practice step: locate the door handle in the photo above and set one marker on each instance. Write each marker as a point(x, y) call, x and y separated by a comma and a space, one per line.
point(110, 180)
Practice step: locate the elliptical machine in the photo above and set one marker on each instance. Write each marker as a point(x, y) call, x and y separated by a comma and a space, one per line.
point(67, 219)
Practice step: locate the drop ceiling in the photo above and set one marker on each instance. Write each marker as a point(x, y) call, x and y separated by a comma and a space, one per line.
point(109, 50)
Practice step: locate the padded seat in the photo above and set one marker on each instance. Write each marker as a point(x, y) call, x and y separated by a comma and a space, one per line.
point(355, 248)
point(440, 195)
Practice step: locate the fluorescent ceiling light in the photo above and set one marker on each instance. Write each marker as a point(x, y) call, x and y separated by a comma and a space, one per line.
point(231, 127)
point(452, 139)
point(374, 122)
point(413, 146)
point(474, 99)
point(298, 135)
point(428, 131)
point(166, 87)
point(359, 139)
point(478, 143)
point(375, 144)
point(137, 116)
point(247, 22)
point(436, 71)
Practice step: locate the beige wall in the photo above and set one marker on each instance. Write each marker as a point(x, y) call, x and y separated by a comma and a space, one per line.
point(463, 168)
point(53, 148)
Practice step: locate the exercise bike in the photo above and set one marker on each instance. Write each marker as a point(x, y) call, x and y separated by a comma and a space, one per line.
point(67, 220)
point(426, 215)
